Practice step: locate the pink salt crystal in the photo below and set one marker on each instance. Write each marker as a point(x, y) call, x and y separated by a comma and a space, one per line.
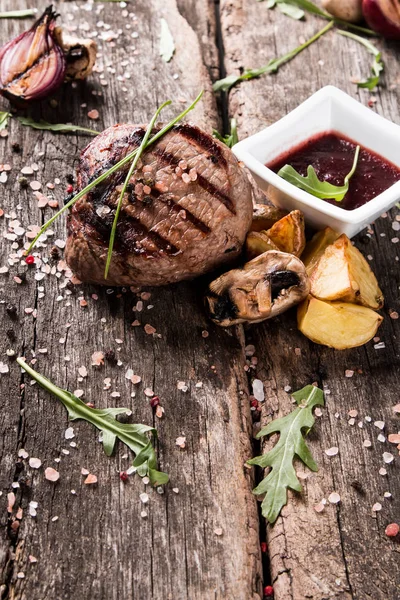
point(186, 178)
point(332, 451)
point(181, 442)
point(135, 323)
point(53, 203)
point(32, 559)
point(148, 392)
point(159, 411)
point(193, 174)
point(97, 359)
point(51, 474)
point(392, 530)
point(348, 373)
point(377, 507)
point(35, 463)
point(218, 531)
point(35, 185)
point(136, 379)
point(149, 329)
point(11, 501)
point(319, 507)
point(334, 498)
point(93, 114)
point(90, 479)
point(394, 438)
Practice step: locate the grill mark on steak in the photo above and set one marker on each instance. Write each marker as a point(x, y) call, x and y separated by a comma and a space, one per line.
point(195, 221)
point(203, 140)
point(170, 159)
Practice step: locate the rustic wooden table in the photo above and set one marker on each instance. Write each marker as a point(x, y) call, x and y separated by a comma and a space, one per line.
point(201, 538)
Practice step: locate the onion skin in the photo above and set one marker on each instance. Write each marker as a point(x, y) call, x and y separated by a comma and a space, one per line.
point(32, 65)
point(383, 16)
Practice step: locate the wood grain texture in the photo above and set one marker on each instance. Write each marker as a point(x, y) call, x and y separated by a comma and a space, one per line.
point(201, 540)
point(342, 552)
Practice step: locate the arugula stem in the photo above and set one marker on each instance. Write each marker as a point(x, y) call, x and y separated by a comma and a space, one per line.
point(117, 166)
point(43, 125)
point(353, 168)
point(377, 66)
point(135, 161)
point(18, 14)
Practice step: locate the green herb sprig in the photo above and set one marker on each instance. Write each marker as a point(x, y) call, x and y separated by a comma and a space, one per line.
point(112, 169)
point(377, 65)
point(230, 139)
point(4, 116)
point(224, 85)
point(290, 444)
point(135, 161)
point(18, 14)
point(57, 127)
point(310, 7)
point(132, 435)
point(320, 189)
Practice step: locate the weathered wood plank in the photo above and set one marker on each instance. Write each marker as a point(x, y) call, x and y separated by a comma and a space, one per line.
point(100, 546)
point(342, 552)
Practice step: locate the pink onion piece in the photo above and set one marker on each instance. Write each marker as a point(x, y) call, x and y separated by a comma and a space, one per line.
point(33, 64)
point(383, 16)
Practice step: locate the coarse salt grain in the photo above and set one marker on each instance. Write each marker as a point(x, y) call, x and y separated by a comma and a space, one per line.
point(35, 463)
point(352, 413)
point(181, 442)
point(22, 453)
point(334, 498)
point(51, 474)
point(381, 438)
point(258, 390)
point(349, 373)
point(149, 329)
point(319, 507)
point(97, 359)
point(82, 371)
point(387, 457)
point(377, 507)
point(181, 385)
point(332, 451)
point(144, 498)
point(367, 444)
point(379, 424)
point(382, 471)
point(90, 479)
point(218, 531)
point(394, 438)
point(69, 433)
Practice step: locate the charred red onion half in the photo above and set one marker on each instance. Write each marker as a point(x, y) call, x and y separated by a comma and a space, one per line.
point(33, 64)
point(383, 16)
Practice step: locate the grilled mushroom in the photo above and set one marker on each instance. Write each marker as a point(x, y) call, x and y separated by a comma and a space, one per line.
point(265, 287)
point(80, 54)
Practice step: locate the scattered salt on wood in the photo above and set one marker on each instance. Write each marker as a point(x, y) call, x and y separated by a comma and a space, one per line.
point(332, 451)
point(377, 507)
point(35, 463)
point(392, 530)
point(144, 498)
point(387, 457)
point(69, 433)
point(367, 444)
point(379, 424)
point(394, 438)
point(218, 531)
point(258, 390)
point(97, 359)
point(382, 471)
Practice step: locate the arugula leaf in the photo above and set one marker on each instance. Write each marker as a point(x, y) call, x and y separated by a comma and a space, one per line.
point(377, 65)
point(223, 85)
point(4, 119)
point(167, 44)
point(135, 161)
point(230, 139)
point(312, 185)
point(62, 127)
point(18, 14)
point(290, 10)
point(290, 444)
point(132, 435)
point(112, 169)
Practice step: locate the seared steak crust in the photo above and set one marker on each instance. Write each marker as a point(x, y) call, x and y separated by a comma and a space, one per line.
point(186, 210)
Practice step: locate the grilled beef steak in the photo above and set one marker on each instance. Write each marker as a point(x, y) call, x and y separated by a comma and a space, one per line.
point(187, 208)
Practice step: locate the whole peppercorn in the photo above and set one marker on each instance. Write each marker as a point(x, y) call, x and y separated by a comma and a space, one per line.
point(109, 355)
point(155, 401)
point(69, 189)
point(30, 260)
point(264, 547)
point(392, 530)
point(23, 182)
point(123, 476)
point(11, 311)
point(54, 252)
point(254, 403)
point(268, 591)
point(70, 178)
point(15, 147)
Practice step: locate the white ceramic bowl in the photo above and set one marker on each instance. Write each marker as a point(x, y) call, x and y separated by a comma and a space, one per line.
point(329, 109)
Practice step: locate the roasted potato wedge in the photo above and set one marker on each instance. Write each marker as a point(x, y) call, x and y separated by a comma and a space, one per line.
point(264, 216)
point(339, 325)
point(342, 273)
point(317, 246)
point(288, 233)
point(257, 242)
